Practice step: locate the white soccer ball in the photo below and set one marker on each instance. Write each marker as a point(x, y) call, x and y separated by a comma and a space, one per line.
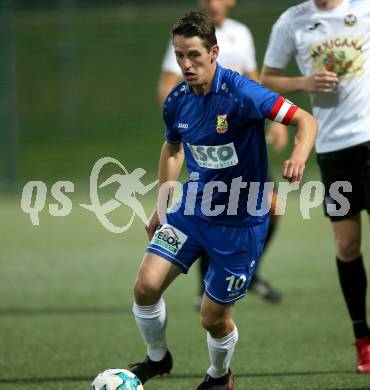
point(116, 379)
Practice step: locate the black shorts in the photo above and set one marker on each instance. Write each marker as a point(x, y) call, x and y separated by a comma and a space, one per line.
point(347, 165)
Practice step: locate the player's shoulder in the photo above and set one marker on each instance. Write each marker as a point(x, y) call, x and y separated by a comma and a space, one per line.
point(232, 79)
point(363, 6)
point(171, 102)
point(296, 13)
point(232, 24)
point(236, 27)
point(357, 2)
point(239, 87)
point(300, 10)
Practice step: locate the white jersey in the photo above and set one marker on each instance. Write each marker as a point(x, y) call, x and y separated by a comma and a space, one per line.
point(237, 50)
point(337, 41)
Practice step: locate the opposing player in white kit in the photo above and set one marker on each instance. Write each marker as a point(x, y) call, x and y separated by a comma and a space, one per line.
point(237, 53)
point(330, 40)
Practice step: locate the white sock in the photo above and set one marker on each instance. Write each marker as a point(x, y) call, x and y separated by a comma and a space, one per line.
point(152, 322)
point(220, 353)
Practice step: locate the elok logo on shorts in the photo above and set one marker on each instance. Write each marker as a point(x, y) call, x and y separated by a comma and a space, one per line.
point(169, 238)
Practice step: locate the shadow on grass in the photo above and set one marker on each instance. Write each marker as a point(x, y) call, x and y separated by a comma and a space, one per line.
point(182, 376)
point(65, 311)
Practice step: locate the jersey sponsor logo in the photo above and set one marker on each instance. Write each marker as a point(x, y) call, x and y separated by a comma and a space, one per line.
point(221, 125)
point(183, 125)
point(169, 238)
point(350, 20)
point(342, 55)
point(214, 157)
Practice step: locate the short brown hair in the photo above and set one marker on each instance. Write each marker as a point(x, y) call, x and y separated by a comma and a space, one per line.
point(196, 24)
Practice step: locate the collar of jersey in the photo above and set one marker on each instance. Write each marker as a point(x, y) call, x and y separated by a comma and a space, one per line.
point(216, 81)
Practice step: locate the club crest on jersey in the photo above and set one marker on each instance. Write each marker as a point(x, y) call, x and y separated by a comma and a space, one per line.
point(350, 20)
point(222, 126)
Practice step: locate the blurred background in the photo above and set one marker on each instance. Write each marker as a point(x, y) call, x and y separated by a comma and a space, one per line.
point(78, 82)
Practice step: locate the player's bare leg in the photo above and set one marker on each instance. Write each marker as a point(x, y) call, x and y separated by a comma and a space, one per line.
point(222, 336)
point(352, 276)
point(154, 276)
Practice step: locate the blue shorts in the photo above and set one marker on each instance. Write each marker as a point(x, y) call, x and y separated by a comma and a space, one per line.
point(234, 252)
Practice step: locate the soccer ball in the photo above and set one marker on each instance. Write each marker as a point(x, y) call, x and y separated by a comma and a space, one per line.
point(116, 379)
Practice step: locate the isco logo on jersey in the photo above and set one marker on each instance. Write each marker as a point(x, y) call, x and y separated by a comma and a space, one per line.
point(169, 238)
point(214, 157)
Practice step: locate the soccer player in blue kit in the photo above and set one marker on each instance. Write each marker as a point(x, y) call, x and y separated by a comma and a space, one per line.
point(217, 117)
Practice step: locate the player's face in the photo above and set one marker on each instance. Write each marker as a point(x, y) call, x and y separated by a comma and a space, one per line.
point(327, 4)
point(197, 64)
point(217, 10)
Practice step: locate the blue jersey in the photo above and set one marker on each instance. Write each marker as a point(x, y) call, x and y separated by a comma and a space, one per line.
point(224, 143)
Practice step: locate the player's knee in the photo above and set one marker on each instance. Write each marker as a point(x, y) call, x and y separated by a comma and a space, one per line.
point(348, 248)
point(146, 293)
point(213, 324)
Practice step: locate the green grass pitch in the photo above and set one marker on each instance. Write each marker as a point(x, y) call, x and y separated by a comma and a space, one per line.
point(65, 308)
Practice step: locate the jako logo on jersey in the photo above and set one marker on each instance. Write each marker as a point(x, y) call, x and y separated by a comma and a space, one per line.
point(215, 157)
point(222, 125)
point(183, 125)
point(314, 27)
point(169, 238)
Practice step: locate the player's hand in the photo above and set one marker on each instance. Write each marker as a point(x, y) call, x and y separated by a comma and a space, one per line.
point(293, 170)
point(321, 82)
point(277, 136)
point(152, 224)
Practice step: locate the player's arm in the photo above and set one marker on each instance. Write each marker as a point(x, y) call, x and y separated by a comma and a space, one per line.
point(307, 127)
point(253, 74)
point(277, 133)
point(281, 48)
point(248, 55)
point(277, 136)
point(170, 164)
point(275, 79)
